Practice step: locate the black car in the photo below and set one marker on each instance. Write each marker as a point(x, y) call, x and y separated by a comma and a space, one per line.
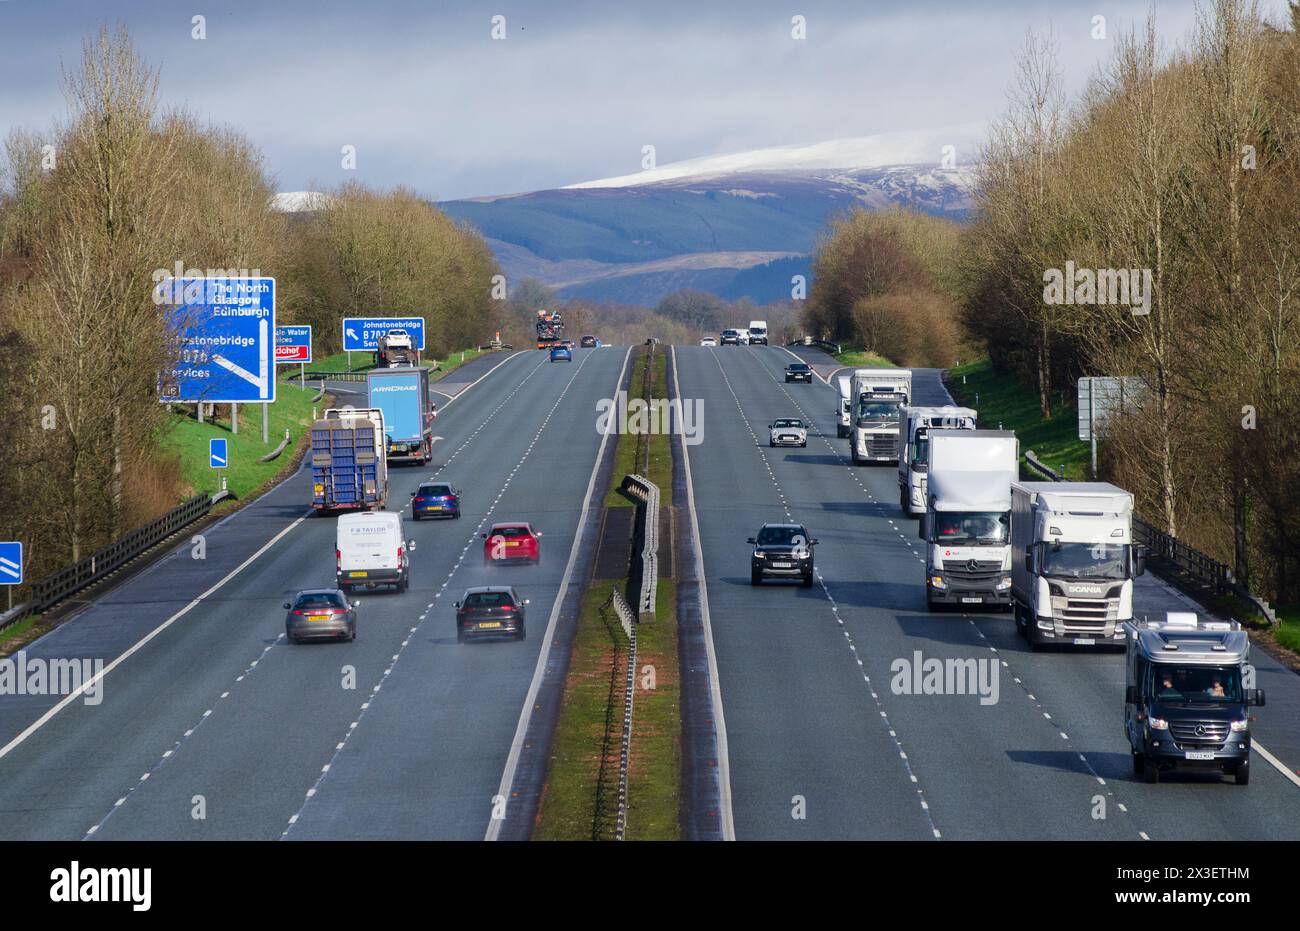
point(730, 338)
point(320, 614)
point(782, 551)
point(588, 342)
point(490, 611)
point(798, 371)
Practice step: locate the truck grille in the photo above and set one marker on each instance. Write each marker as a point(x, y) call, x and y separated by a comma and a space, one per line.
point(1212, 733)
point(979, 570)
point(884, 446)
point(1085, 615)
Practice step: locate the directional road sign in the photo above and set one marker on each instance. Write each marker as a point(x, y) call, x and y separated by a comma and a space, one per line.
point(224, 329)
point(11, 563)
point(292, 344)
point(361, 334)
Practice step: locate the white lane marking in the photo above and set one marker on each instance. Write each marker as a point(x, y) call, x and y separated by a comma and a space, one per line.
point(69, 699)
point(526, 714)
point(479, 379)
point(715, 685)
point(1276, 763)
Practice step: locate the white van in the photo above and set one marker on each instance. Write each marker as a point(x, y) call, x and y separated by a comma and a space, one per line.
point(372, 550)
point(757, 332)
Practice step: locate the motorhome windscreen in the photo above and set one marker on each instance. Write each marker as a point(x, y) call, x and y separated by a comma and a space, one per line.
point(1194, 684)
point(878, 411)
point(971, 527)
point(1085, 560)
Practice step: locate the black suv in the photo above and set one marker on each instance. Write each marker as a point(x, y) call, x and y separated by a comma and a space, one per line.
point(588, 342)
point(783, 551)
point(798, 371)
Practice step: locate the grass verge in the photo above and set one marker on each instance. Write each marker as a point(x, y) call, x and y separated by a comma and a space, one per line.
point(1003, 400)
point(861, 359)
point(1288, 629)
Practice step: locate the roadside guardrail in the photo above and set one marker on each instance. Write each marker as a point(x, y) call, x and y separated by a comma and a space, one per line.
point(1189, 562)
point(827, 345)
point(52, 589)
point(643, 580)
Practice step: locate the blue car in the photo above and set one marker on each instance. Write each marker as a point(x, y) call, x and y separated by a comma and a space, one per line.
point(435, 499)
point(561, 354)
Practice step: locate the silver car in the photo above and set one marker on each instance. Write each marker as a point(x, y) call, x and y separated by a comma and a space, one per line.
point(788, 431)
point(320, 614)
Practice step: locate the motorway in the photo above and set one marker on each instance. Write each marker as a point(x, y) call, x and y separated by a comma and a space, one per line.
point(213, 727)
point(818, 744)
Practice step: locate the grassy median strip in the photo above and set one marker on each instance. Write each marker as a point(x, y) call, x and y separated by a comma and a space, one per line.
point(1000, 399)
point(580, 799)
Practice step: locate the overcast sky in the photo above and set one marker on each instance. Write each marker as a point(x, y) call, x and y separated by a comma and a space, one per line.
point(430, 100)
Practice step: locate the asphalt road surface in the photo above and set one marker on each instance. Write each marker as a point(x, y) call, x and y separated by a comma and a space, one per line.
point(216, 728)
point(821, 743)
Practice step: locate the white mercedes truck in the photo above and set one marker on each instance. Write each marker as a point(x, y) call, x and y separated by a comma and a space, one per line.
point(914, 461)
point(845, 413)
point(967, 522)
point(1074, 562)
point(878, 397)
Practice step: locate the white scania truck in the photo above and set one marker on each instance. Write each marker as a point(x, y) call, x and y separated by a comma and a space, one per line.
point(1073, 562)
point(967, 522)
point(913, 464)
point(878, 397)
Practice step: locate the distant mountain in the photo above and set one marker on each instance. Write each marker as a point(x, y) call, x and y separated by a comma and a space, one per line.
point(737, 225)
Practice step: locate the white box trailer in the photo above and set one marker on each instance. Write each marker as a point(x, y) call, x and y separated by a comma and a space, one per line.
point(878, 397)
point(1074, 562)
point(968, 515)
point(913, 462)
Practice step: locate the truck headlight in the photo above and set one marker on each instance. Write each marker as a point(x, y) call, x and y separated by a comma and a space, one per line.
point(937, 581)
point(1241, 725)
point(1004, 584)
point(1158, 724)
point(759, 554)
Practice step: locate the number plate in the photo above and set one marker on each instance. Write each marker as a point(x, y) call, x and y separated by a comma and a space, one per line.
point(782, 565)
point(972, 601)
point(357, 575)
point(1198, 755)
point(489, 624)
point(318, 617)
point(1085, 641)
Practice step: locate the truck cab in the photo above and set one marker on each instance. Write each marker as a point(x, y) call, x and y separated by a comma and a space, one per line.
point(1188, 689)
point(1074, 563)
point(878, 397)
point(967, 520)
point(913, 461)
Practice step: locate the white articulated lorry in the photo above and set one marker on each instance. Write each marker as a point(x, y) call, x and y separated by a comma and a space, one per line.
point(845, 410)
point(878, 398)
point(1073, 562)
point(967, 522)
point(913, 463)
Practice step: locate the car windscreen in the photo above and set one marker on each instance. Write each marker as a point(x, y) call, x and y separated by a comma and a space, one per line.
point(509, 532)
point(1085, 560)
point(798, 367)
point(788, 423)
point(780, 536)
point(319, 600)
point(1195, 683)
point(488, 599)
point(970, 527)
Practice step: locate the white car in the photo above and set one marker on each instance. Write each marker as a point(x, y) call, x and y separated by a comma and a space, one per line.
point(788, 431)
point(708, 341)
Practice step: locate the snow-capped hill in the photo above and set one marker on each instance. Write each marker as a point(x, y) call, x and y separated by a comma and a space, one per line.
point(837, 155)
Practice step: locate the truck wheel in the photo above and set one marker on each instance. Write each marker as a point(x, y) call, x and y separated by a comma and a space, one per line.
point(1150, 771)
point(1242, 773)
point(808, 580)
point(755, 578)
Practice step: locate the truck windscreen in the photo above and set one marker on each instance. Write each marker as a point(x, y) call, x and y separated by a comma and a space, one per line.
point(971, 528)
point(1085, 560)
point(1195, 684)
point(878, 411)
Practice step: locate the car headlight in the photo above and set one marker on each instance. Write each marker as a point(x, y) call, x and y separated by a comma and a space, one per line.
point(759, 554)
point(1158, 724)
point(1241, 725)
point(937, 581)
point(1004, 584)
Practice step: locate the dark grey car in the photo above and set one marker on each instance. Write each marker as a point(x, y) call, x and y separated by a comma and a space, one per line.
point(782, 551)
point(320, 614)
point(491, 611)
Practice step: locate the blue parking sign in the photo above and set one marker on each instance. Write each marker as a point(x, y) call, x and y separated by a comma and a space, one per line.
point(217, 457)
point(11, 563)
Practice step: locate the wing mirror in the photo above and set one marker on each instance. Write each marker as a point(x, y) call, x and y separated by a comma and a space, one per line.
point(412, 494)
point(1029, 560)
point(747, 540)
point(287, 606)
point(1139, 561)
point(483, 535)
point(455, 604)
point(812, 542)
point(1131, 695)
point(920, 527)
point(527, 601)
point(1255, 697)
point(356, 604)
point(410, 545)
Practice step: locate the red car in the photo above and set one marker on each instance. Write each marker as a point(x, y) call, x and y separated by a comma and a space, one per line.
point(512, 542)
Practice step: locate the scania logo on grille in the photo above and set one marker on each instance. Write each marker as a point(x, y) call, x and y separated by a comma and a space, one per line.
point(1085, 589)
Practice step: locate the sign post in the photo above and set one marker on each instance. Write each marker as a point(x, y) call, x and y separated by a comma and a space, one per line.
point(1101, 397)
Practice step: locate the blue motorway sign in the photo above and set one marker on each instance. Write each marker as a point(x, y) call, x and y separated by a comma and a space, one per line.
point(218, 457)
point(361, 334)
point(224, 329)
point(292, 344)
point(11, 563)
